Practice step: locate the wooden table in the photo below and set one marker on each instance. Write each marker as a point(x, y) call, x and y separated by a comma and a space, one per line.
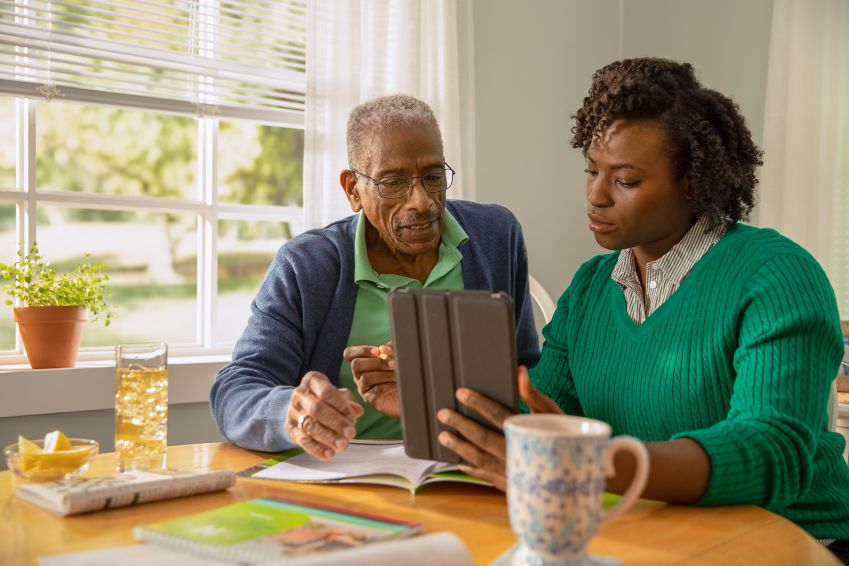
point(650, 533)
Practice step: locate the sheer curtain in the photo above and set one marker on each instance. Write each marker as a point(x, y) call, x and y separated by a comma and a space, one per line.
point(359, 49)
point(804, 191)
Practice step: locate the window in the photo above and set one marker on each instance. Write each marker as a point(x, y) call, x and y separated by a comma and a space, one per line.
point(165, 138)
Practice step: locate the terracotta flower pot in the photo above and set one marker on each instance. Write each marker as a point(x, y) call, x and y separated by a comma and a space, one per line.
point(51, 335)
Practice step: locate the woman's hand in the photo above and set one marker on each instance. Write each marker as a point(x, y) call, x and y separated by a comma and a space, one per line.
point(322, 417)
point(482, 448)
point(373, 369)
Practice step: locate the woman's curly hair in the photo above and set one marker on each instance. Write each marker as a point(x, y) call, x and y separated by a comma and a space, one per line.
point(705, 132)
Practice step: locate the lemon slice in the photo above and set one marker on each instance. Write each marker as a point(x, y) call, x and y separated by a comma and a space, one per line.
point(27, 446)
point(65, 461)
point(29, 451)
point(46, 465)
point(56, 441)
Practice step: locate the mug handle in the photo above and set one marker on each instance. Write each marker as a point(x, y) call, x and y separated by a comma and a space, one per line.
point(635, 447)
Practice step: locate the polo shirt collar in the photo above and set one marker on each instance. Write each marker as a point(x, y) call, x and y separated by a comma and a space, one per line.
point(453, 236)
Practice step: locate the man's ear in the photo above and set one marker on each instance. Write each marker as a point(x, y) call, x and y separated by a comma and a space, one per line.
point(348, 180)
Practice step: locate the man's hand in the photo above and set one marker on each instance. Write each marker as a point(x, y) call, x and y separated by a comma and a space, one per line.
point(321, 417)
point(374, 373)
point(482, 448)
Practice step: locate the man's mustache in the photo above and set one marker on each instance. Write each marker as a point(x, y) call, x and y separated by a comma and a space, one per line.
point(418, 218)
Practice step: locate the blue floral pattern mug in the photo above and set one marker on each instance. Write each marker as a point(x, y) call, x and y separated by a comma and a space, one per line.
point(557, 469)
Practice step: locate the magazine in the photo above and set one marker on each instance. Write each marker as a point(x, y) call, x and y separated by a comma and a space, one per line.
point(81, 495)
point(272, 527)
point(382, 464)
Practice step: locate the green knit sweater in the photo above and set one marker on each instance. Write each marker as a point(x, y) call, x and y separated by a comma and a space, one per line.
point(740, 358)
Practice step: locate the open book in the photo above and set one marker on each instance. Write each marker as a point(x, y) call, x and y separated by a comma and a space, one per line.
point(383, 464)
point(272, 527)
point(81, 495)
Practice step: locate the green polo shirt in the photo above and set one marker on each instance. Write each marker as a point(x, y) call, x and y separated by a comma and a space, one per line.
point(371, 312)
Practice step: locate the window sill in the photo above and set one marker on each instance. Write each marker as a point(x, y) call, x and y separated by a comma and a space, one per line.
point(90, 386)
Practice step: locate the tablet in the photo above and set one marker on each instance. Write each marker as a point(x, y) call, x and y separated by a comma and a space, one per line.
point(444, 340)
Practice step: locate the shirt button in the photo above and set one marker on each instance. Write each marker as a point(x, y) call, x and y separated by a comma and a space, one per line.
point(653, 285)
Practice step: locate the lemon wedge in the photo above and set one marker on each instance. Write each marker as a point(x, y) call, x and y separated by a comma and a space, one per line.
point(29, 451)
point(56, 441)
point(27, 446)
point(62, 462)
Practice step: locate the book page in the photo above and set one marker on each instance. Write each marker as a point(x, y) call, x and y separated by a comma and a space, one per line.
point(137, 555)
point(424, 550)
point(455, 476)
point(357, 461)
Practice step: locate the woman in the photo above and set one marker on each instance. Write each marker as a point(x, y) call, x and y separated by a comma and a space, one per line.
point(713, 341)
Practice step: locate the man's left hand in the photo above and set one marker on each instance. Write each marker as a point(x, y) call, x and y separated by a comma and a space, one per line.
point(374, 373)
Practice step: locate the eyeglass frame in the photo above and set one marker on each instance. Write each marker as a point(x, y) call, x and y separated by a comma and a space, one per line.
point(410, 186)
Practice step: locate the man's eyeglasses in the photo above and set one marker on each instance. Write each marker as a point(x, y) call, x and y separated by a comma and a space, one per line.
point(434, 181)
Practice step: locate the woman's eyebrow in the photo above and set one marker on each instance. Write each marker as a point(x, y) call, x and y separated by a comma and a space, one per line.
point(617, 166)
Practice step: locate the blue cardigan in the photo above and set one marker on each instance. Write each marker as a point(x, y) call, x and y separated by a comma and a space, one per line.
point(302, 315)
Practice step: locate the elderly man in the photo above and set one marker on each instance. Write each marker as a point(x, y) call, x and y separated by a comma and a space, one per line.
point(314, 367)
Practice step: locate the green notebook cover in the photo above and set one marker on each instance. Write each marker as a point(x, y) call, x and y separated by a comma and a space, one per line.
point(272, 527)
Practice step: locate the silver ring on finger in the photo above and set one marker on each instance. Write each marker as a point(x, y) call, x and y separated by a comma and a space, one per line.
point(302, 421)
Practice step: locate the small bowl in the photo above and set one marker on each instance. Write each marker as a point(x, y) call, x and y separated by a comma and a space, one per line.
point(55, 466)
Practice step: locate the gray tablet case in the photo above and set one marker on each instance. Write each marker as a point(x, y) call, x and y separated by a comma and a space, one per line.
point(444, 340)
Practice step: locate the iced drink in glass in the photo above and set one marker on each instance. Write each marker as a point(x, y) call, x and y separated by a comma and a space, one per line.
point(141, 405)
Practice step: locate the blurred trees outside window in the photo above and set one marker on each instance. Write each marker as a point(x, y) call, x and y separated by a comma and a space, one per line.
point(151, 245)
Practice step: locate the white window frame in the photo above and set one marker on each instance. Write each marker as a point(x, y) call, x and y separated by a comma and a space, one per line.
point(206, 206)
point(88, 386)
point(204, 352)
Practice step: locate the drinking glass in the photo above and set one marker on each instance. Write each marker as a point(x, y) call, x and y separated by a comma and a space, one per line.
point(141, 405)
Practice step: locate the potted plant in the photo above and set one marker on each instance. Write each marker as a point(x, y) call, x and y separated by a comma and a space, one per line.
point(53, 306)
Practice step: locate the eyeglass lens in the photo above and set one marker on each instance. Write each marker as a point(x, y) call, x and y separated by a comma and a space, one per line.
point(434, 182)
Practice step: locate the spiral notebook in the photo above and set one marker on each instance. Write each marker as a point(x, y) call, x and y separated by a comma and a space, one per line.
point(269, 528)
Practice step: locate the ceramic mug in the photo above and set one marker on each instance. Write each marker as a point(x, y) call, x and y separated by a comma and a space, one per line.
point(557, 469)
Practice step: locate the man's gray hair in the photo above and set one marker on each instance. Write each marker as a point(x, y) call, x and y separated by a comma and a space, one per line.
point(378, 114)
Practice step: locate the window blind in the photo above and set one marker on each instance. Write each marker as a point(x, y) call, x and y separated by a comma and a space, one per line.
point(226, 58)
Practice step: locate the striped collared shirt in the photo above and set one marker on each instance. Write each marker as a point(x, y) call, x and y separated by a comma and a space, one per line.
point(663, 275)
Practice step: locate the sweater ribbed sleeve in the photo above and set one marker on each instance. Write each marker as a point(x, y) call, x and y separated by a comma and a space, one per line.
point(551, 374)
point(787, 353)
